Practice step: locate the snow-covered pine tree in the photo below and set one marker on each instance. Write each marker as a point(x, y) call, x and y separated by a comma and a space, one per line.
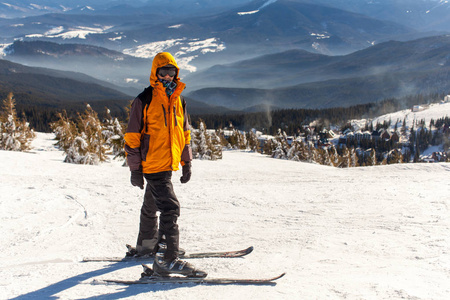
point(83, 143)
point(372, 159)
point(282, 146)
point(302, 150)
point(395, 156)
point(65, 131)
point(194, 141)
point(15, 134)
point(92, 149)
point(353, 158)
point(323, 157)
point(345, 160)
point(295, 151)
point(238, 140)
point(292, 153)
point(252, 141)
point(269, 146)
point(113, 133)
point(200, 150)
point(312, 155)
point(216, 145)
point(334, 156)
point(204, 144)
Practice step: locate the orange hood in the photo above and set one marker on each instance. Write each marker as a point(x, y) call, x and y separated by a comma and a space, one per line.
point(160, 60)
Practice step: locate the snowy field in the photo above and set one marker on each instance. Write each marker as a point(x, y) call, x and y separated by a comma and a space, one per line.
point(361, 233)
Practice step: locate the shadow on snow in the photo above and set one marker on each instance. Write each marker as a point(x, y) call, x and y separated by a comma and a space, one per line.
point(50, 291)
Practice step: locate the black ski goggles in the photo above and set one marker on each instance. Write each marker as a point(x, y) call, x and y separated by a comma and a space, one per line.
point(163, 72)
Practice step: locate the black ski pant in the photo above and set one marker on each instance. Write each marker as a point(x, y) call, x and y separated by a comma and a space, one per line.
point(159, 196)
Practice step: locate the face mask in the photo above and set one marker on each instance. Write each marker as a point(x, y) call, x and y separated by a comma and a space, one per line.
point(169, 85)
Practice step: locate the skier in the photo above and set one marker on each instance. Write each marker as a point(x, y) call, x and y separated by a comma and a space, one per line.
point(157, 141)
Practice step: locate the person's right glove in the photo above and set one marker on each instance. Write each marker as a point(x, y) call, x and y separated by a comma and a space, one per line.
point(137, 179)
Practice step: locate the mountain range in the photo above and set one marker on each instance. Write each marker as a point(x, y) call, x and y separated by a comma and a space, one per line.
point(390, 69)
point(41, 88)
point(123, 72)
point(298, 66)
point(53, 90)
point(257, 28)
point(24, 8)
point(424, 15)
point(237, 55)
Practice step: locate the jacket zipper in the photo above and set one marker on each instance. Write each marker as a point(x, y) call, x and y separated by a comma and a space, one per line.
point(170, 133)
point(165, 117)
point(175, 115)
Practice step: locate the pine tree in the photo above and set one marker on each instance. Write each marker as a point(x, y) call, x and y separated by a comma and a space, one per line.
point(83, 142)
point(204, 144)
point(113, 134)
point(202, 150)
point(15, 134)
point(371, 159)
point(194, 141)
point(215, 143)
point(345, 160)
point(282, 146)
point(269, 146)
point(293, 152)
point(323, 157)
point(334, 156)
point(353, 158)
point(65, 131)
point(395, 157)
point(252, 141)
point(238, 140)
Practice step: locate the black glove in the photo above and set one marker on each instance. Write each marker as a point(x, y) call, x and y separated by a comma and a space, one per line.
point(186, 172)
point(137, 179)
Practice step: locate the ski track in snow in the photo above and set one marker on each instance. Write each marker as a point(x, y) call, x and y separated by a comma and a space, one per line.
point(360, 233)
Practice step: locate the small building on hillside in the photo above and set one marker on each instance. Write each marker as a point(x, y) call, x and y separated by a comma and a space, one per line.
point(385, 135)
point(395, 137)
point(376, 135)
point(417, 108)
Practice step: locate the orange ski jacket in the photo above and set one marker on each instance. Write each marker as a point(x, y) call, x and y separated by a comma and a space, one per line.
point(158, 136)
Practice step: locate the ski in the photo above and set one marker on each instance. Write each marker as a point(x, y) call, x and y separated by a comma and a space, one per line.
point(194, 280)
point(219, 254)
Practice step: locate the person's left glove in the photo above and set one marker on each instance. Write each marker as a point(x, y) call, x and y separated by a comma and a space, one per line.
point(137, 179)
point(186, 172)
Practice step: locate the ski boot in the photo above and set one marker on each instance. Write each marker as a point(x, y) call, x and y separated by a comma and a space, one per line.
point(162, 248)
point(174, 266)
point(132, 252)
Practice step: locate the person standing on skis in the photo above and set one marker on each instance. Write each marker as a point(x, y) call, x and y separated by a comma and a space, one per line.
point(157, 141)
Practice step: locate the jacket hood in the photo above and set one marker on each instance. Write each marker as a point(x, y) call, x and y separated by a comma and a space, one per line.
point(160, 60)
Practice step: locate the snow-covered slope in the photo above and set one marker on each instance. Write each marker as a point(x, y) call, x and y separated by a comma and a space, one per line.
point(426, 112)
point(360, 233)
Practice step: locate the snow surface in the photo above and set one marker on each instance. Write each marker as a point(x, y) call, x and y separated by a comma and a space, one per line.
point(360, 233)
point(433, 111)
